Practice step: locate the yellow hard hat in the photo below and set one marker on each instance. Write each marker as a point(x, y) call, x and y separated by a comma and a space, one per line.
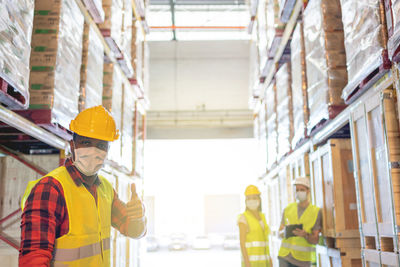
point(252, 190)
point(95, 122)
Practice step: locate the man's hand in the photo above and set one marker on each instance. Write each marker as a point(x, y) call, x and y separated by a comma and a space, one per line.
point(135, 208)
point(299, 232)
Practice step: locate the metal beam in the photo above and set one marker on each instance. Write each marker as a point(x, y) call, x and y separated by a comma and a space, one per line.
point(172, 8)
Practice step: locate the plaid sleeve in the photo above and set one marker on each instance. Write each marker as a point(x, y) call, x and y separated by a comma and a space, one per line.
point(119, 215)
point(43, 218)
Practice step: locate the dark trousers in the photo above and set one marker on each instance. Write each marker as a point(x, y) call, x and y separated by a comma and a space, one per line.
point(283, 263)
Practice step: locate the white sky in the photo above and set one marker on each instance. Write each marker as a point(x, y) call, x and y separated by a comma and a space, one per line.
point(180, 172)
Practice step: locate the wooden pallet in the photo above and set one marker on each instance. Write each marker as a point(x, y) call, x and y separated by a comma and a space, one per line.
point(10, 97)
point(43, 118)
point(329, 257)
point(389, 259)
point(358, 87)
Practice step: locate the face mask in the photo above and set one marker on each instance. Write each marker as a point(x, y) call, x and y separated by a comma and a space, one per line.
point(89, 160)
point(253, 204)
point(301, 196)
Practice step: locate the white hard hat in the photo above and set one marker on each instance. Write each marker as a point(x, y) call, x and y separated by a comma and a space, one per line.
point(302, 181)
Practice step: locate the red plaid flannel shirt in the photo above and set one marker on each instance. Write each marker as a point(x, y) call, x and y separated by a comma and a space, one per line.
point(45, 217)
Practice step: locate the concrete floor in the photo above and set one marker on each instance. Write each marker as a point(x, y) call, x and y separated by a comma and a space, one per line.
point(193, 258)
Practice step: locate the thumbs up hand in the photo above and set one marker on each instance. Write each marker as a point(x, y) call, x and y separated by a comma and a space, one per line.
point(135, 208)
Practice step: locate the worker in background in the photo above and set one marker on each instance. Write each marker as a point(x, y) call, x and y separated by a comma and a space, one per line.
point(254, 232)
point(68, 213)
point(300, 228)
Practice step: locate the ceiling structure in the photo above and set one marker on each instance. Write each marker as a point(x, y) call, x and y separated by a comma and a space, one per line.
point(199, 89)
point(198, 20)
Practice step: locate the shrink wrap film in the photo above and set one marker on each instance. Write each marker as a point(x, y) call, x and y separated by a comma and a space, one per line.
point(126, 39)
point(365, 39)
point(284, 109)
point(299, 85)
point(56, 59)
point(16, 22)
point(272, 135)
point(91, 90)
point(127, 126)
point(325, 58)
point(394, 41)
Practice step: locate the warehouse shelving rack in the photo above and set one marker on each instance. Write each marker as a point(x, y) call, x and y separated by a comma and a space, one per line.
point(25, 126)
point(289, 28)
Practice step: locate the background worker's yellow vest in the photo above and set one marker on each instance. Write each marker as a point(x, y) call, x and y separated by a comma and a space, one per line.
point(298, 246)
point(257, 241)
point(88, 241)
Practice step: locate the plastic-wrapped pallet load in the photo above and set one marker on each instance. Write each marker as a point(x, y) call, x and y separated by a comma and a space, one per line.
point(393, 21)
point(365, 40)
point(272, 136)
point(325, 60)
point(127, 126)
point(299, 85)
point(91, 89)
point(112, 101)
point(56, 59)
point(16, 21)
point(112, 26)
point(275, 27)
point(126, 40)
point(284, 109)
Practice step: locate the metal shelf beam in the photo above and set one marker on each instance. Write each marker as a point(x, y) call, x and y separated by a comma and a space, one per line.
point(11, 118)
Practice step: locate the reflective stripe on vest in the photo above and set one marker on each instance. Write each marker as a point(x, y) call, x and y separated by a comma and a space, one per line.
point(256, 244)
point(73, 254)
point(258, 257)
point(298, 248)
point(87, 242)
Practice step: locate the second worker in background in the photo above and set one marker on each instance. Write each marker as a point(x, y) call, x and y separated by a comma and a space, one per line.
point(300, 228)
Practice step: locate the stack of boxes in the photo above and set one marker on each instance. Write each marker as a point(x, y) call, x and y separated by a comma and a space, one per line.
point(272, 127)
point(91, 85)
point(127, 126)
point(393, 23)
point(16, 20)
point(325, 60)
point(284, 109)
point(126, 39)
point(56, 59)
point(365, 40)
point(299, 86)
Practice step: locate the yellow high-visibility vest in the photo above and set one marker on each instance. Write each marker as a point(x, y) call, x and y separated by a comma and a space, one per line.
point(257, 241)
point(298, 246)
point(87, 242)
